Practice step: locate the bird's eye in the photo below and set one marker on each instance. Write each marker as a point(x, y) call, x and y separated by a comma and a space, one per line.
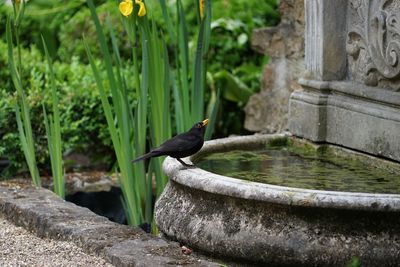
point(198, 125)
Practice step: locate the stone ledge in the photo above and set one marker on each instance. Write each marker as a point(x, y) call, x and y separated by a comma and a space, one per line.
point(42, 212)
point(350, 117)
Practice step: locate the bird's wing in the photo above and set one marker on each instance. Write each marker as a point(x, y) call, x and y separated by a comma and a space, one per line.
point(181, 142)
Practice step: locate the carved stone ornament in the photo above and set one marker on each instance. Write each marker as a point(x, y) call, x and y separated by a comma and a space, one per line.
point(373, 42)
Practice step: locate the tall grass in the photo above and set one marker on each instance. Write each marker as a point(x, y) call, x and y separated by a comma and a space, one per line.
point(189, 97)
point(121, 123)
point(22, 110)
point(127, 120)
point(53, 132)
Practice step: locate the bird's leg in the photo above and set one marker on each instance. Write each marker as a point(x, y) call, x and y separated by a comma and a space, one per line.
point(185, 164)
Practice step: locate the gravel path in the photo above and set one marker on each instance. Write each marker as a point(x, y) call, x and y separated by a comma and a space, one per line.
point(18, 247)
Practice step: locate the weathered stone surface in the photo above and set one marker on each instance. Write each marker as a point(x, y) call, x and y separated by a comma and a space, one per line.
point(267, 111)
point(350, 95)
point(94, 181)
point(349, 114)
point(42, 212)
point(148, 252)
point(277, 235)
point(90, 181)
point(275, 225)
point(373, 43)
point(325, 45)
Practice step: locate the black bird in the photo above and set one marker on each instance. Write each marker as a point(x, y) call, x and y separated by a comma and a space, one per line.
point(181, 145)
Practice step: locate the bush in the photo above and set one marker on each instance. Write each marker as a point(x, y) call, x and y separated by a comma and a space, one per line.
point(81, 24)
point(83, 123)
point(41, 17)
point(56, 21)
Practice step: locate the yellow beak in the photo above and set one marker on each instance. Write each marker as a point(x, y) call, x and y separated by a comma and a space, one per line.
point(205, 122)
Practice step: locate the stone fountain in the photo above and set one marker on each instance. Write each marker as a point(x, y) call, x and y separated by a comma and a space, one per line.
point(349, 104)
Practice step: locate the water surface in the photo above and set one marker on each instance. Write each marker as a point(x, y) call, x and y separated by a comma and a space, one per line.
point(293, 167)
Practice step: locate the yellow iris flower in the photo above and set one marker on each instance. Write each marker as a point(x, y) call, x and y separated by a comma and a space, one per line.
point(126, 7)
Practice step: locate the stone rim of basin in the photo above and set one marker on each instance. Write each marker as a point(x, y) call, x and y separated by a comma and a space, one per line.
point(218, 184)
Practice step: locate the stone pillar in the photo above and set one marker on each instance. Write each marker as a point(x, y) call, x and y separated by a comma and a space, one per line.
point(325, 50)
point(325, 59)
point(351, 90)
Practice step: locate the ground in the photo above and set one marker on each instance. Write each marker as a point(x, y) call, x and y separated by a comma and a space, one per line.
point(18, 247)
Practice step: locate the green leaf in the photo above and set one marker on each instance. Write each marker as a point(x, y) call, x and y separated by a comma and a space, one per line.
point(233, 89)
point(214, 103)
point(53, 130)
point(199, 69)
point(22, 111)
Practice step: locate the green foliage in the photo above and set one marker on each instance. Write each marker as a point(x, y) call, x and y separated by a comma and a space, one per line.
point(232, 27)
point(233, 89)
point(61, 23)
point(53, 132)
point(42, 17)
point(80, 24)
point(84, 127)
point(21, 107)
point(189, 65)
point(354, 262)
point(252, 13)
point(128, 122)
point(120, 121)
point(232, 66)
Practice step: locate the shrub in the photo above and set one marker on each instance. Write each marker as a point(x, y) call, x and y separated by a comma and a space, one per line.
point(80, 24)
point(83, 124)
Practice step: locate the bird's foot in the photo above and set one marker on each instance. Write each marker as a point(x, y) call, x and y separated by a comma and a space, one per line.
point(185, 164)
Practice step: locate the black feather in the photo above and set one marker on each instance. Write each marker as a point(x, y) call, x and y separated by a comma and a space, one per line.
point(179, 146)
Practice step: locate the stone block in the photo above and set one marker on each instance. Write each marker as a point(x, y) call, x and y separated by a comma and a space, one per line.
point(348, 114)
point(307, 116)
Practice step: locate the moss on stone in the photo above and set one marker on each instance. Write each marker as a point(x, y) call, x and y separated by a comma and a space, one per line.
point(279, 142)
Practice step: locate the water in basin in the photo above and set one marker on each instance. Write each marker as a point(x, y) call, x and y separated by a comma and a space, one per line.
point(301, 167)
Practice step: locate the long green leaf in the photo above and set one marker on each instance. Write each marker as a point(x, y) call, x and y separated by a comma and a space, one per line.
point(213, 116)
point(22, 111)
point(54, 133)
point(119, 120)
point(131, 208)
point(199, 69)
point(167, 20)
point(183, 67)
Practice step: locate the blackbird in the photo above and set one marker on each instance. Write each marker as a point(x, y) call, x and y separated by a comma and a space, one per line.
point(181, 145)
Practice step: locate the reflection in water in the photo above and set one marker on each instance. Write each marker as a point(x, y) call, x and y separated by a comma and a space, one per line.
point(286, 167)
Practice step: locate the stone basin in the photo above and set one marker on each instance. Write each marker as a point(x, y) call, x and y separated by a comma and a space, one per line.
point(277, 225)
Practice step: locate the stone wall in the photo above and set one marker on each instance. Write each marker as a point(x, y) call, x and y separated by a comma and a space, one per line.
point(267, 111)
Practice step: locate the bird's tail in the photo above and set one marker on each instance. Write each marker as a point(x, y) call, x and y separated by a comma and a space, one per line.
point(143, 157)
